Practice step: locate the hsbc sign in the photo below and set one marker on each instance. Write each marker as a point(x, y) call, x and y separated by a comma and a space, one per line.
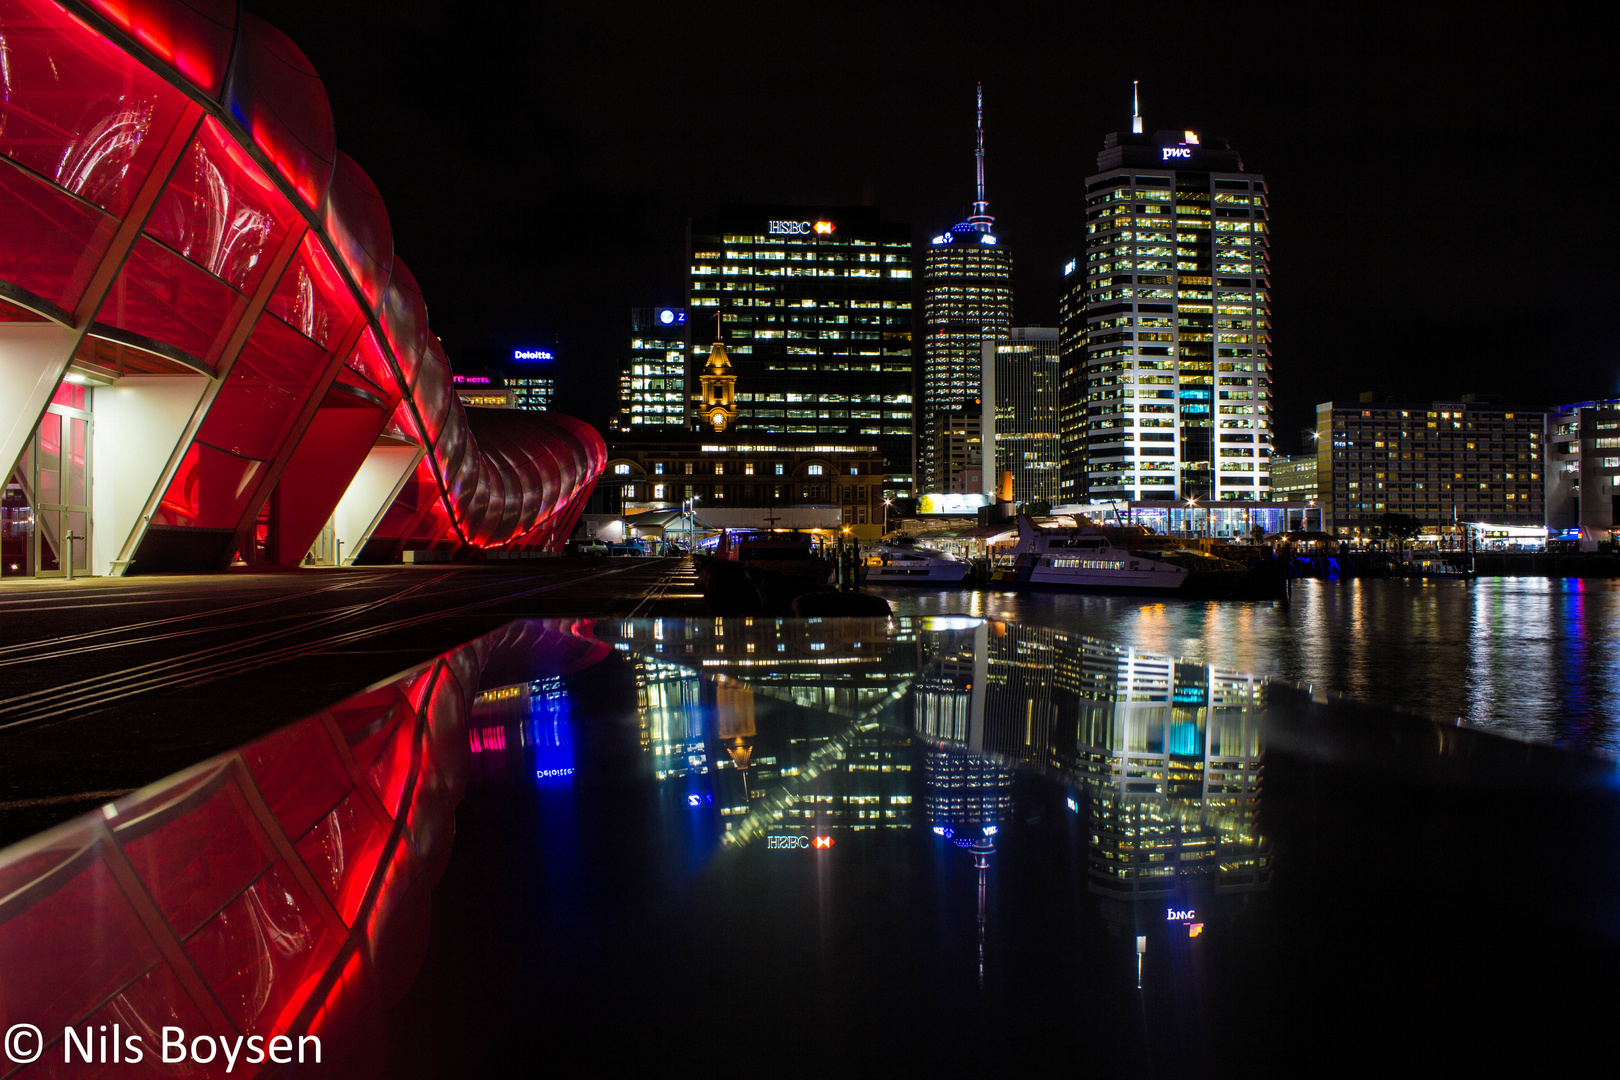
point(799, 228)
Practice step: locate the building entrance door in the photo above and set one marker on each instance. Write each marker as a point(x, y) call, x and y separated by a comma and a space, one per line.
point(46, 514)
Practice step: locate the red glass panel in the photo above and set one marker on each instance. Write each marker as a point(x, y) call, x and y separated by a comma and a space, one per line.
point(392, 765)
point(358, 223)
point(210, 490)
point(196, 864)
point(170, 300)
point(50, 243)
point(402, 425)
point(193, 37)
point(277, 355)
point(341, 851)
point(249, 418)
point(312, 298)
point(432, 393)
point(404, 321)
point(368, 360)
point(299, 775)
point(265, 391)
point(258, 955)
point(78, 110)
point(434, 523)
point(220, 211)
point(70, 950)
point(274, 92)
point(156, 1000)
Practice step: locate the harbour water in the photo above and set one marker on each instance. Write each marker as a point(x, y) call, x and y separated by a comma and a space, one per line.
point(1533, 658)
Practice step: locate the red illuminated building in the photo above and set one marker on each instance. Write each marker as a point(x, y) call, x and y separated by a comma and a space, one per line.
point(208, 349)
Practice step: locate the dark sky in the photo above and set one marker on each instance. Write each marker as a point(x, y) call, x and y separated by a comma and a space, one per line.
point(1443, 181)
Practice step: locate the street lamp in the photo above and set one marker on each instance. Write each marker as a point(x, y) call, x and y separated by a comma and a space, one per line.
point(886, 504)
point(1192, 504)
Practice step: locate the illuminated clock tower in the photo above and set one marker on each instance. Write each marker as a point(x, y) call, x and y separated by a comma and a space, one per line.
point(719, 390)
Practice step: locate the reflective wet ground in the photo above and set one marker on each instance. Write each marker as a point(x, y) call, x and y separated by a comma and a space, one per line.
point(924, 844)
point(1533, 658)
point(952, 845)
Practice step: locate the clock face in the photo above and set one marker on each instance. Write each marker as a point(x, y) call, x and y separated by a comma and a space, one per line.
point(719, 421)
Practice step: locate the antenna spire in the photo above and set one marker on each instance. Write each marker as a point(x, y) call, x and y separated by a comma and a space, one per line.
point(980, 219)
point(1136, 108)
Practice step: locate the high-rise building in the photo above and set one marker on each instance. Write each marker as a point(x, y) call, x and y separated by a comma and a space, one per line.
point(1441, 462)
point(1583, 471)
point(529, 379)
point(967, 297)
point(1019, 422)
point(814, 304)
point(652, 387)
point(1177, 354)
point(1072, 385)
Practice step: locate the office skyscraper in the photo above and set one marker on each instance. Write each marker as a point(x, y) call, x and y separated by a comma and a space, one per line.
point(967, 297)
point(1176, 359)
point(652, 387)
point(1020, 413)
point(815, 307)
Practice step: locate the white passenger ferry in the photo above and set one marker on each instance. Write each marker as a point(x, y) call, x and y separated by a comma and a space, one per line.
point(1088, 558)
point(907, 564)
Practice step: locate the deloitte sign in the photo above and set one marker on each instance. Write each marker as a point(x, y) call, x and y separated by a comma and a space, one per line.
point(528, 355)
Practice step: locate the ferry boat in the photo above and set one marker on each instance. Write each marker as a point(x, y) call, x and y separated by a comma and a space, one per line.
point(768, 549)
point(1090, 558)
point(907, 564)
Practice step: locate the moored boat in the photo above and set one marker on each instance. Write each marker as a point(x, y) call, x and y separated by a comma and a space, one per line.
point(1090, 558)
point(908, 564)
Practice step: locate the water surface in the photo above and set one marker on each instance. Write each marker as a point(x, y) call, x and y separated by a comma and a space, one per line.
point(1533, 658)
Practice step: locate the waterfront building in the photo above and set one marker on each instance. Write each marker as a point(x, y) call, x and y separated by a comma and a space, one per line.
point(1583, 471)
point(1177, 355)
point(1442, 462)
point(958, 452)
point(209, 352)
point(652, 388)
point(814, 306)
point(532, 393)
point(482, 389)
point(1072, 385)
point(740, 482)
point(1293, 478)
point(1020, 411)
point(967, 297)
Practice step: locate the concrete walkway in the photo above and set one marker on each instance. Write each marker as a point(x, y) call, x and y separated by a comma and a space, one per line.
point(107, 684)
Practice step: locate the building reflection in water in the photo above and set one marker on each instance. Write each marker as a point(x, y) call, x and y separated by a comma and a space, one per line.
point(924, 723)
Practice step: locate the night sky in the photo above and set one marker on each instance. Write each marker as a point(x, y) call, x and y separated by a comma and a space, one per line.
point(1442, 182)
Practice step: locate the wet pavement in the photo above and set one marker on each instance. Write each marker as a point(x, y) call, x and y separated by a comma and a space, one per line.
point(107, 684)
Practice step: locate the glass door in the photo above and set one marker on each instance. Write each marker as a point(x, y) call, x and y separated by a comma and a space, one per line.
point(46, 516)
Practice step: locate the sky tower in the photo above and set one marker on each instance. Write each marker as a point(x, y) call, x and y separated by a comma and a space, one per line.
point(967, 296)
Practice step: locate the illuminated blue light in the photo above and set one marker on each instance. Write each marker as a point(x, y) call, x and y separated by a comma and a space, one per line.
point(1074, 806)
point(531, 354)
point(942, 238)
point(986, 238)
point(1068, 267)
point(694, 800)
point(666, 316)
point(990, 830)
